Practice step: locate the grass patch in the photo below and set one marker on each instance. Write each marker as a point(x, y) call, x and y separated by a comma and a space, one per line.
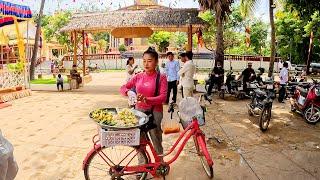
point(47, 81)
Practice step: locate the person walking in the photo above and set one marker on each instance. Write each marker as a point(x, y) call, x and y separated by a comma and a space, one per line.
point(172, 69)
point(284, 77)
point(187, 73)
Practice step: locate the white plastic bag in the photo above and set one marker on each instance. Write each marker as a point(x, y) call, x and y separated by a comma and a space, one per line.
point(132, 98)
point(189, 107)
point(8, 166)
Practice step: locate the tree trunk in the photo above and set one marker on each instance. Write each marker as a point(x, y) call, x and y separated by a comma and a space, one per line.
point(273, 39)
point(310, 53)
point(220, 49)
point(36, 42)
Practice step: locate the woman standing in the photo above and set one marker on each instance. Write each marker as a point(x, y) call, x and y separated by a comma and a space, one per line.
point(130, 69)
point(150, 98)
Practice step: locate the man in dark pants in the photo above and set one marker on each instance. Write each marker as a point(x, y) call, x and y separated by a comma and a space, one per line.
point(248, 75)
point(284, 77)
point(216, 78)
point(172, 69)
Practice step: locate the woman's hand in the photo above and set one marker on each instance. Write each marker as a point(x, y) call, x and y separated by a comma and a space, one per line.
point(141, 98)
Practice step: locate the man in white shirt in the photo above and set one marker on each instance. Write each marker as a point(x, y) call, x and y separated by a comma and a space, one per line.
point(284, 77)
point(186, 73)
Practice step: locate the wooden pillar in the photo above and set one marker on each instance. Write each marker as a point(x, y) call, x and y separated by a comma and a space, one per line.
point(83, 53)
point(189, 48)
point(75, 43)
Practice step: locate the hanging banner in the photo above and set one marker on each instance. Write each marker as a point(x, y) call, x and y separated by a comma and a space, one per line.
point(14, 10)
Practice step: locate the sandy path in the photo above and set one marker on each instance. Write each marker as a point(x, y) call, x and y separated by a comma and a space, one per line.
point(52, 134)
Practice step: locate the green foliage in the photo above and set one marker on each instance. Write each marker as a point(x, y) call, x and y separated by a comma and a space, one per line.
point(101, 36)
point(179, 39)
point(122, 48)
point(161, 39)
point(53, 23)
point(259, 33)
point(16, 67)
point(102, 44)
point(234, 35)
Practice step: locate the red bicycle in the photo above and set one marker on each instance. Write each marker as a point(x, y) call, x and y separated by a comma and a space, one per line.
point(125, 162)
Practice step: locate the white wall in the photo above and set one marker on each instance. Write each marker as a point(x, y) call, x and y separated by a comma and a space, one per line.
point(200, 63)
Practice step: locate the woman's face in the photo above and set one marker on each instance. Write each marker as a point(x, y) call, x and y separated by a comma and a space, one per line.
point(149, 63)
point(131, 62)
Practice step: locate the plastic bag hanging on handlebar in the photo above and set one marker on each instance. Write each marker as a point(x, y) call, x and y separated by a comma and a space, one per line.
point(188, 108)
point(8, 165)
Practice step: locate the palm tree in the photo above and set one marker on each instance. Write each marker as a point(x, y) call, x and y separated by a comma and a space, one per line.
point(36, 40)
point(221, 9)
point(248, 6)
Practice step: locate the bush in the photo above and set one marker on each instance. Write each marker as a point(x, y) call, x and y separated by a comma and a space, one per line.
point(122, 48)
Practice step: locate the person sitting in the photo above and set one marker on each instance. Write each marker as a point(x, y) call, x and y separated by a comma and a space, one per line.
point(247, 75)
point(60, 82)
point(216, 77)
point(75, 75)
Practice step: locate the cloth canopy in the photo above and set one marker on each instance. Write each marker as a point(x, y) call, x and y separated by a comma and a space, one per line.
point(9, 11)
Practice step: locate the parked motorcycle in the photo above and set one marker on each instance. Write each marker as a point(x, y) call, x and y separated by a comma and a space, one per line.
point(261, 104)
point(222, 91)
point(306, 101)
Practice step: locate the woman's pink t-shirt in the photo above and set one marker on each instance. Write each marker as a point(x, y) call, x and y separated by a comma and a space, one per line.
point(145, 84)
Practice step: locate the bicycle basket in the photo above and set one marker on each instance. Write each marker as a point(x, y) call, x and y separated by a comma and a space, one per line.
point(188, 108)
point(109, 138)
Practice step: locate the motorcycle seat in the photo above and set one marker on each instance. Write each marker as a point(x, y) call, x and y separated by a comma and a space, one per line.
point(260, 92)
point(303, 91)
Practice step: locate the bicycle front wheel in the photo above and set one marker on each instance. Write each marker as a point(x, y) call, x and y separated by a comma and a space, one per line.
point(204, 156)
point(96, 167)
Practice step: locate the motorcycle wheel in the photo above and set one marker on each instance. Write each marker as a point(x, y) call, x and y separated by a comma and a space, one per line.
point(265, 117)
point(312, 115)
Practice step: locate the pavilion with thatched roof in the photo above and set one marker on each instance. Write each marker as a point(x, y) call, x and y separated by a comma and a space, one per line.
point(136, 21)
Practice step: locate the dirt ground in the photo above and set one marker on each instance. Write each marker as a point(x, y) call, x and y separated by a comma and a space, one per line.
point(51, 134)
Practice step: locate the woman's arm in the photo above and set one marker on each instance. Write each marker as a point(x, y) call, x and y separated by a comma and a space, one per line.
point(129, 85)
point(130, 70)
point(161, 98)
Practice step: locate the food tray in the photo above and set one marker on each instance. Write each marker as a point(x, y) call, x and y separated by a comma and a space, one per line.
point(142, 119)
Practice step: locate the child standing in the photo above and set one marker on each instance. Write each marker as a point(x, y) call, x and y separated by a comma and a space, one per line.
point(60, 82)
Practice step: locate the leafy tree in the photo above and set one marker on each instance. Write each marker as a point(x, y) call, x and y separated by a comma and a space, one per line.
point(247, 6)
point(101, 45)
point(179, 39)
point(101, 35)
point(290, 36)
point(221, 9)
point(52, 25)
point(161, 39)
point(259, 33)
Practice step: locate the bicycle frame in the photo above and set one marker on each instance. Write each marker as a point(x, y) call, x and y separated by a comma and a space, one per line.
point(192, 130)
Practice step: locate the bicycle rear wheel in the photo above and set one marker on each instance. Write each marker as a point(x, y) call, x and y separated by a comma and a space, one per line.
point(96, 168)
point(207, 166)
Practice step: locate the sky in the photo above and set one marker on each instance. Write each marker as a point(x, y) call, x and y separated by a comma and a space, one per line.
point(53, 5)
